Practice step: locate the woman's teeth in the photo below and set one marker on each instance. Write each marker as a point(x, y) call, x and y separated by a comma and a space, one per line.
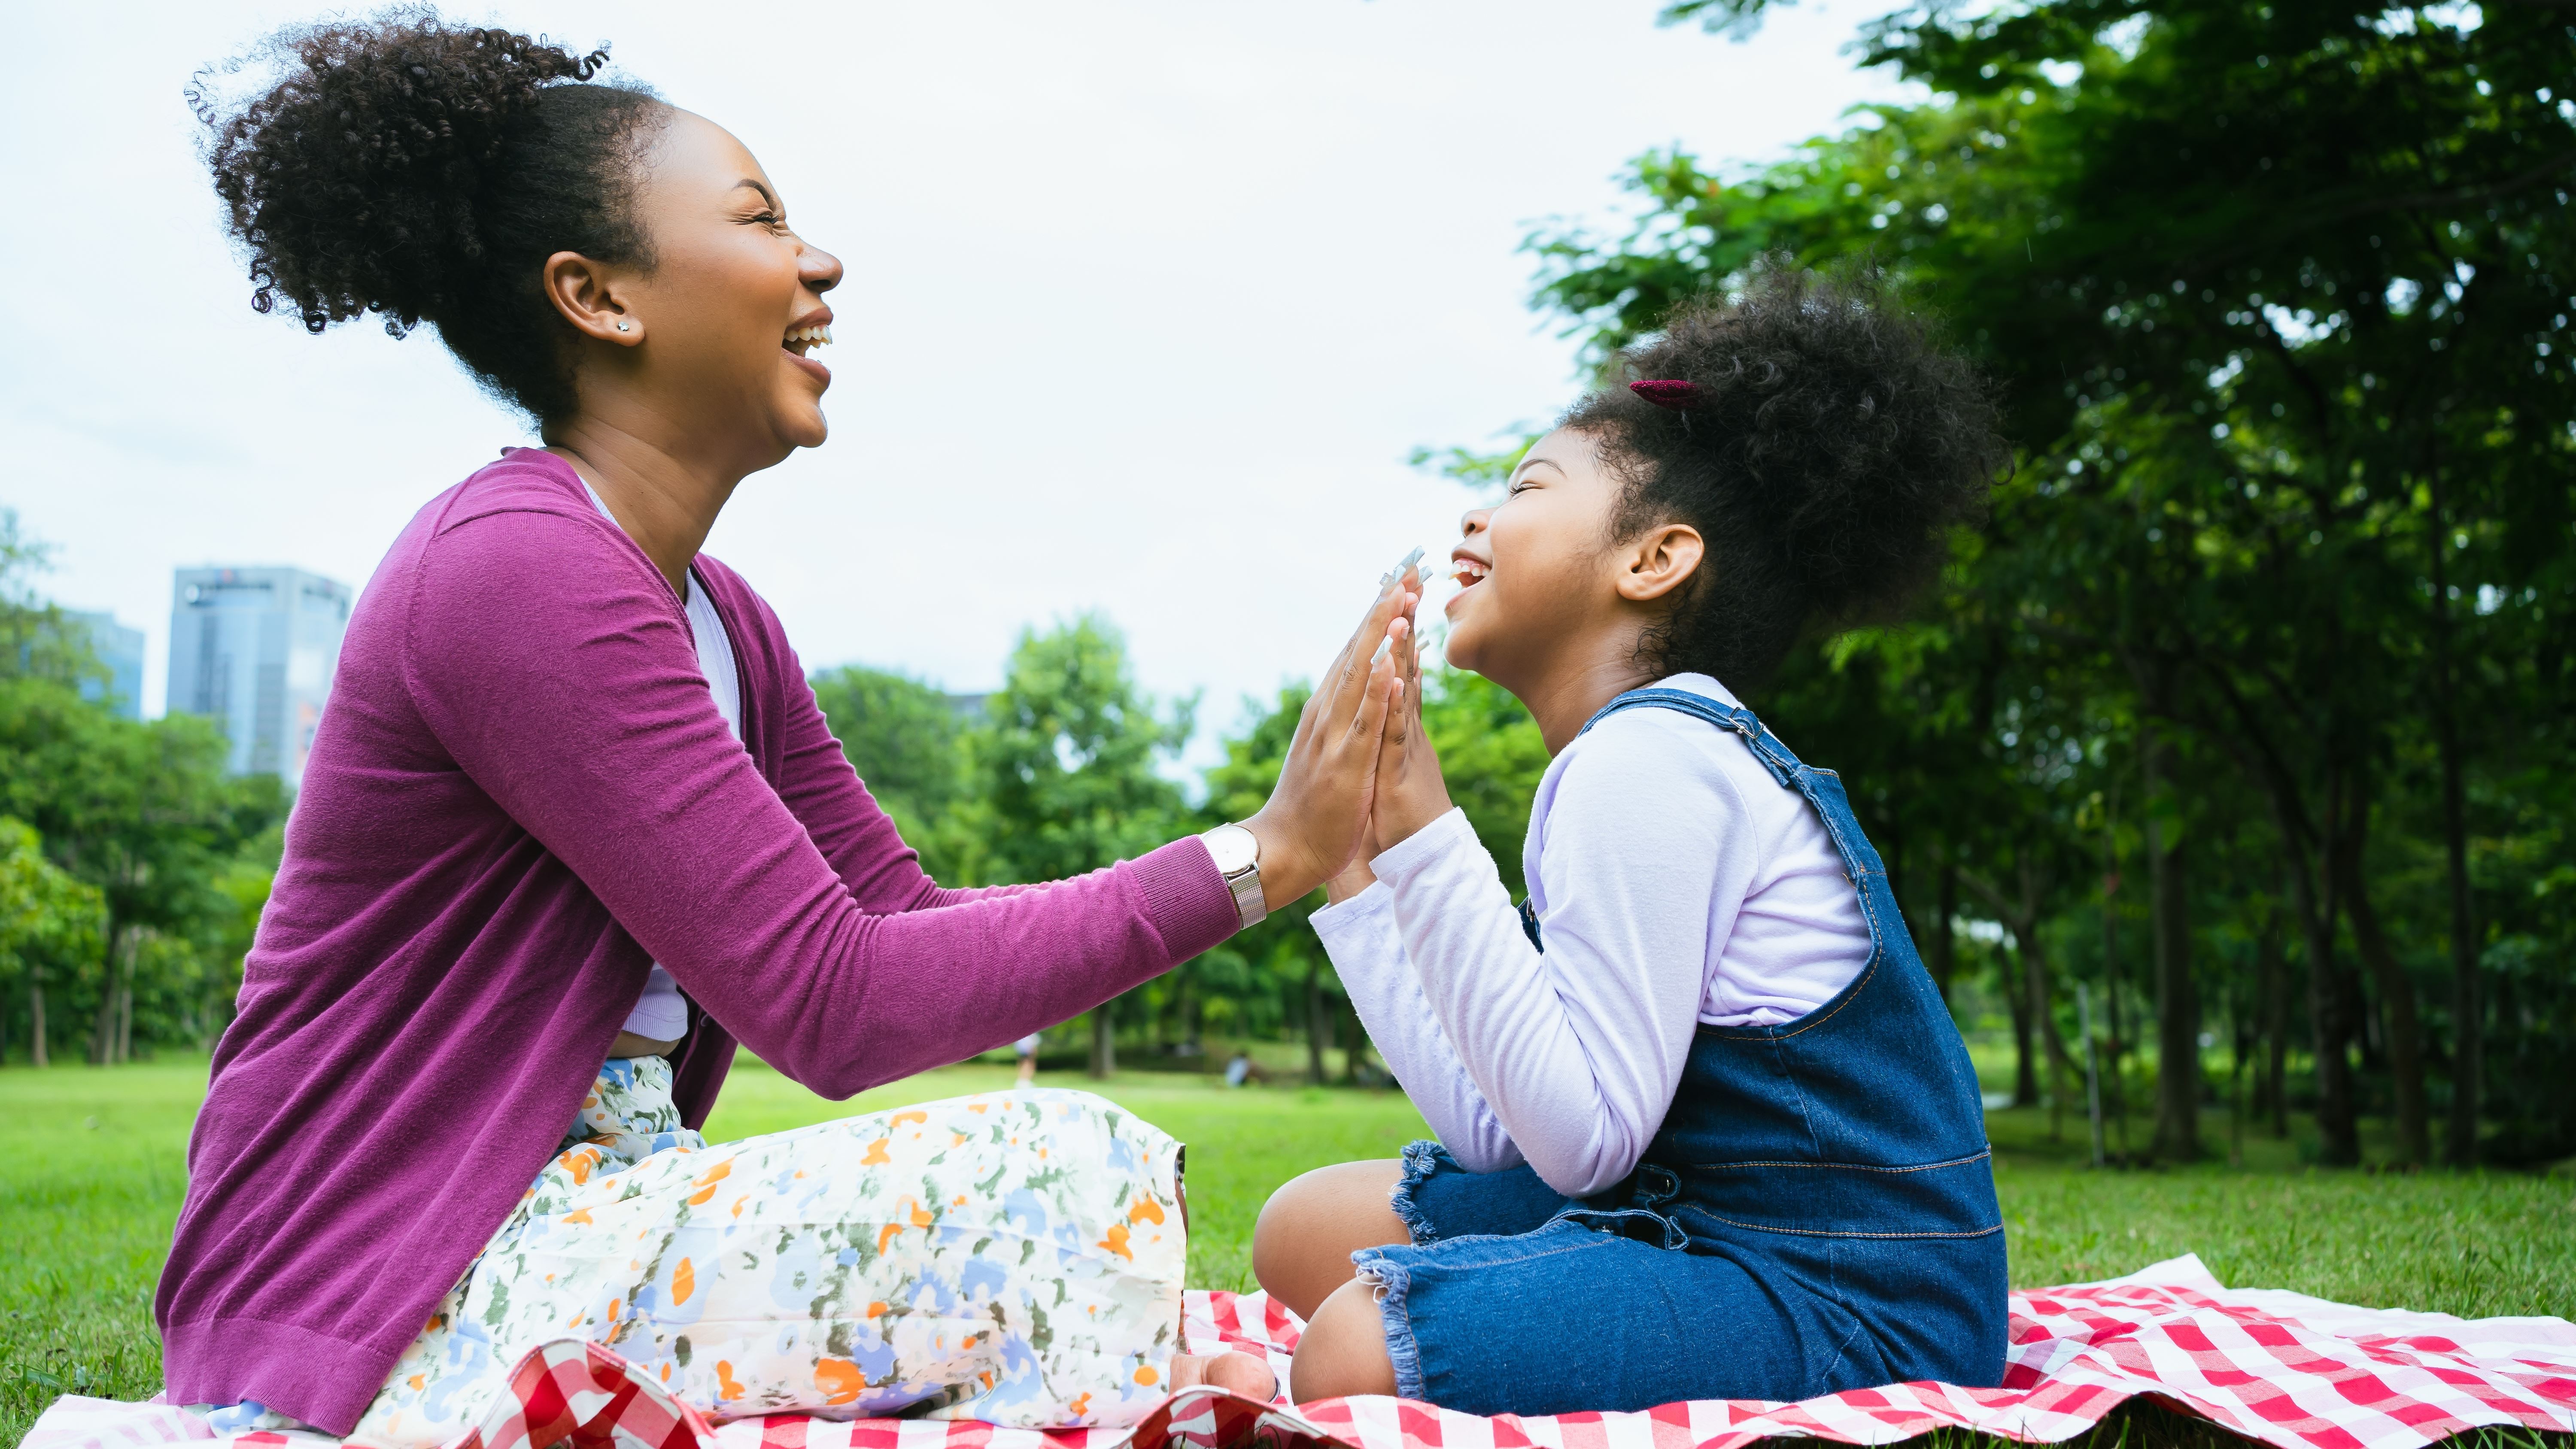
point(1469, 571)
point(819, 336)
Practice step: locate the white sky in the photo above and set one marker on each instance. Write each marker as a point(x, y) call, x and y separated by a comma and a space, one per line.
point(1147, 301)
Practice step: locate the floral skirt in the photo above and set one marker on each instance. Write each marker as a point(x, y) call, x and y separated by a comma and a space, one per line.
point(1014, 1257)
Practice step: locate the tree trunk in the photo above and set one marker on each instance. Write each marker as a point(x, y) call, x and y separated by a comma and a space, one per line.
point(2468, 1015)
point(2329, 1033)
point(2396, 993)
point(125, 1024)
point(2177, 998)
point(2016, 984)
point(2111, 965)
point(2275, 975)
point(102, 1033)
point(36, 1009)
point(1104, 1038)
point(1945, 941)
point(1355, 1060)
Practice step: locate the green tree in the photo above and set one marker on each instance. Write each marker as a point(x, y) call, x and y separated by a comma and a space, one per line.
point(1069, 767)
point(143, 812)
point(2276, 295)
point(912, 745)
point(47, 920)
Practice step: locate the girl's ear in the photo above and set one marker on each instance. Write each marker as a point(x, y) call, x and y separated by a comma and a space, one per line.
point(1659, 561)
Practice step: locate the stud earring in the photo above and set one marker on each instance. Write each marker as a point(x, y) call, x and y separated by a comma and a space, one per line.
point(625, 327)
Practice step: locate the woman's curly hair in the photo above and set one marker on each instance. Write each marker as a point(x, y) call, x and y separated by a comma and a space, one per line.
point(424, 172)
point(1827, 449)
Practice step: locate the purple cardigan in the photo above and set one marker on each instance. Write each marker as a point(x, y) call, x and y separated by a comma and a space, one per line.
point(520, 796)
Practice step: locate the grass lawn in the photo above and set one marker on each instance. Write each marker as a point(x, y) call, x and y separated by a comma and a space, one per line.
point(95, 1169)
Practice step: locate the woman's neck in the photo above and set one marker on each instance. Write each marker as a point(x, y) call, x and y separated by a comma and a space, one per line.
point(664, 502)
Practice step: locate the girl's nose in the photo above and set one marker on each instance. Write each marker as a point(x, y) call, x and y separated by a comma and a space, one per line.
point(1474, 522)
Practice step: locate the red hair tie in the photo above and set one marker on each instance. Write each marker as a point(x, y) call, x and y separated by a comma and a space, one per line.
point(1675, 393)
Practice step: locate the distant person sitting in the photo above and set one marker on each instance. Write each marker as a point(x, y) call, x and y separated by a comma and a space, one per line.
point(1242, 1069)
point(1027, 1047)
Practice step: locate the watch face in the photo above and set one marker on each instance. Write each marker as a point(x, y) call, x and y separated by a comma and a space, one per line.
point(1233, 848)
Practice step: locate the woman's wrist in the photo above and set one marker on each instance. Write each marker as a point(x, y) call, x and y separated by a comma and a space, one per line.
point(1288, 874)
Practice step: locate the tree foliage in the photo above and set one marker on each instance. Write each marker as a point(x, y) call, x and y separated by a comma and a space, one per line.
point(2273, 608)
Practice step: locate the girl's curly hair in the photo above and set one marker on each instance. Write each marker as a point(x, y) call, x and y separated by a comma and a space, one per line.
point(424, 172)
point(1829, 446)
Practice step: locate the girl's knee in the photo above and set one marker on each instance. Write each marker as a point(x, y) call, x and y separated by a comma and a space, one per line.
point(1302, 1245)
point(1343, 1351)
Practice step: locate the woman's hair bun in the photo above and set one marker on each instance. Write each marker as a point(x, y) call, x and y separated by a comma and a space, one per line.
point(1829, 446)
point(407, 167)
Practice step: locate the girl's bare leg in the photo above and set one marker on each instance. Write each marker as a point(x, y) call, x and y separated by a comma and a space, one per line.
point(1344, 1350)
point(1301, 1248)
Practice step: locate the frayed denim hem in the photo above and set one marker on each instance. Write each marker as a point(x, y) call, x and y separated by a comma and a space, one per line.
point(1421, 1159)
point(1391, 1282)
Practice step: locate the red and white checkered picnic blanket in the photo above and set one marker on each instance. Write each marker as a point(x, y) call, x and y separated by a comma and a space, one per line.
point(2293, 1371)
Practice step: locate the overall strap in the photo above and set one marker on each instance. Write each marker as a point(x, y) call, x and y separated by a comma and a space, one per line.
point(1820, 787)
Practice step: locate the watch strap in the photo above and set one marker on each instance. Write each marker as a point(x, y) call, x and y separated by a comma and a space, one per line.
point(1250, 907)
point(1243, 882)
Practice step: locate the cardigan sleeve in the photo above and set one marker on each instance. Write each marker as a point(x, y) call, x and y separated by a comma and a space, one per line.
point(552, 665)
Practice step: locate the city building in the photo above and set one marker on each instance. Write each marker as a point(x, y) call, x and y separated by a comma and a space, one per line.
point(120, 648)
point(255, 649)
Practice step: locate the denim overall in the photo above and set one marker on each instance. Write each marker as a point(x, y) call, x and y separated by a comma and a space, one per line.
point(1817, 1212)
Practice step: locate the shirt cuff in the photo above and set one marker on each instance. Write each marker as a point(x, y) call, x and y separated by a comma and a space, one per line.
point(1359, 913)
point(1411, 855)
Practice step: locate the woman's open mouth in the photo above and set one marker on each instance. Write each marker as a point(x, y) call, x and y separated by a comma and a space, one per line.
point(800, 340)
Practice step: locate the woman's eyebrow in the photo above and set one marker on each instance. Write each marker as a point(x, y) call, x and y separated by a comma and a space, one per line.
point(764, 191)
point(1529, 463)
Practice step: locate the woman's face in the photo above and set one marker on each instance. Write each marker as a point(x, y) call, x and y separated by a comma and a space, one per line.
point(730, 309)
point(1537, 567)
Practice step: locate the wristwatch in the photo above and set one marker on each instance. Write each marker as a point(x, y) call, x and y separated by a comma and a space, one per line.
point(1237, 853)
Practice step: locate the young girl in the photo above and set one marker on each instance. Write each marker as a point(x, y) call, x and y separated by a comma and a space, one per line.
point(1705, 1127)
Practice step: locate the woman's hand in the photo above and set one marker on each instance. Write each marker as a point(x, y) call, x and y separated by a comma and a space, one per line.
point(1408, 792)
point(1315, 819)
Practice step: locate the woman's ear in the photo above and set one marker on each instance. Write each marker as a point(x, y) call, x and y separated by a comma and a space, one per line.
point(585, 292)
point(1659, 561)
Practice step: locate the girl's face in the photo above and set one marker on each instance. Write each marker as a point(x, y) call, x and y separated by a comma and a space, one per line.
point(1553, 605)
point(1544, 558)
point(732, 293)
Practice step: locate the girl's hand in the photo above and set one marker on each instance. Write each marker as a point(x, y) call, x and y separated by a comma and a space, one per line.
point(1409, 791)
point(1356, 876)
point(1317, 816)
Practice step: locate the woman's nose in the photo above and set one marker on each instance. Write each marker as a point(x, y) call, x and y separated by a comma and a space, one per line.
point(819, 269)
point(1474, 522)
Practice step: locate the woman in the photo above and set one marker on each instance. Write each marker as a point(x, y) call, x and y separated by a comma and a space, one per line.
point(573, 805)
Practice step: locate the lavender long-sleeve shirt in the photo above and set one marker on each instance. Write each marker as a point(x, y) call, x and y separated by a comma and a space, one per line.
point(520, 796)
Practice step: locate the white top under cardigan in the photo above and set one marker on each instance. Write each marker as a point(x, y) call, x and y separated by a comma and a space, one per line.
point(1676, 882)
point(662, 1014)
